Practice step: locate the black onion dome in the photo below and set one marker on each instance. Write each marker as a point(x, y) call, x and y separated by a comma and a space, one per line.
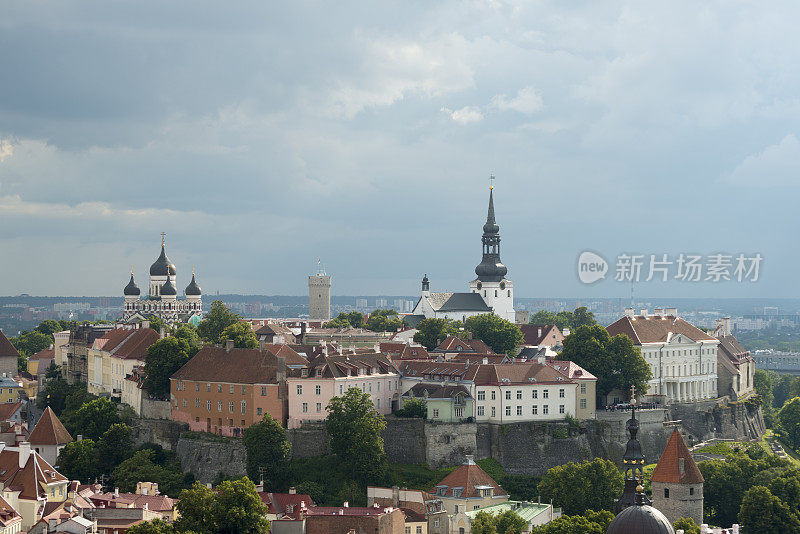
point(162, 266)
point(131, 290)
point(640, 519)
point(193, 289)
point(168, 288)
point(491, 270)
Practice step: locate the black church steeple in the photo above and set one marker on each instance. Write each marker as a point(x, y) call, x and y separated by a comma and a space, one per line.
point(490, 269)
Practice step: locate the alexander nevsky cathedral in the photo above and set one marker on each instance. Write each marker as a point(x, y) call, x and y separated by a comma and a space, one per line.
point(162, 298)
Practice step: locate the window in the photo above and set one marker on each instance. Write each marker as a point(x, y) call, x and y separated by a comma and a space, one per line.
point(263, 391)
point(305, 407)
point(459, 412)
point(691, 491)
point(666, 493)
point(219, 406)
point(534, 410)
point(493, 395)
point(196, 386)
point(258, 411)
point(561, 393)
point(583, 404)
point(230, 388)
point(535, 394)
point(508, 410)
point(481, 395)
point(244, 407)
point(319, 407)
point(299, 389)
point(378, 385)
point(545, 393)
point(519, 410)
point(408, 530)
point(461, 530)
point(435, 522)
point(493, 412)
point(318, 390)
point(508, 395)
point(545, 409)
point(230, 407)
point(208, 388)
point(561, 408)
point(184, 403)
point(480, 411)
point(370, 387)
point(219, 388)
point(208, 406)
point(519, 394)
point(196, 403)
point(243, 389)
point(340, 389)
point(435, 413)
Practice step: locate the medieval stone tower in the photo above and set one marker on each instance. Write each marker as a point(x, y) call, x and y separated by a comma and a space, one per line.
point(319, 295)
point(677, 482)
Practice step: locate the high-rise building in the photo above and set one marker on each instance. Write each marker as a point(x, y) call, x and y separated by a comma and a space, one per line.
point(319, 295)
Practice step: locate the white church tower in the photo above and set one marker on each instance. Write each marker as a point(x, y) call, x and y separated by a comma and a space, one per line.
point(491, 283)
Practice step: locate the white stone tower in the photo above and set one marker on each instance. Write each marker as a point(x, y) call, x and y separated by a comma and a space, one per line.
point(319, 295)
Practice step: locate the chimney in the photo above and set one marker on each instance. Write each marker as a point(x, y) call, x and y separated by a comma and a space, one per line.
point(629, 312)
point(643, 312)
point(540, 333)
point(659, 312)
point(24, 453)
point(228, 345)
point(469, 335)
point(671, 311)
point(485, 360)
point(280, 373)
point(292, 490)
point(346, 504)
point(116, 492)
point(395, 496)
point(80, 437)
point(145, 324)
point(162, 333)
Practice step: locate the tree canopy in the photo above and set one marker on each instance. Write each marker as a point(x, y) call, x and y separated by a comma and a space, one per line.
point(355, 430)
point(163, 358)
point(431, 332)
point(242, 335)
point(789, 416)
point(600, 482)
point(267, 452)
point(383, 321)
point(235, 508)
point(502, 336)
point(615, 361)
point(565, 319)
point(218, 318)
point(352, 319)
point(765, 513)
point(93, 418)
point(590, 522)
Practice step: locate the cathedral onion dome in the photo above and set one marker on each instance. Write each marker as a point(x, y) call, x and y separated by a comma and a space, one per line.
point(162, 266)
point(640, 519)
point(193, 289)
point(168, 288)
point(132, 290)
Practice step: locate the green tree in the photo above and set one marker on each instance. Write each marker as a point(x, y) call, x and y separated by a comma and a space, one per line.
point(352, 319)
point(764, 513)
point(53, 371)
point(218, 318)
point(510, 522)
point(49, 327)
point(600, 482)
point(113, 447)
point(355, 430)
point(156, 526)
point(268, 451)
point(431, 332)
point(29, 343)
point(237, 509)
point(189, 334)
point(590, 523)
point(140, 467)
point(157, 323)
point(163, 359)
point(383, 321)
point(582, 317)
point(417, 407)
point(93, 418)
point(78, 461)
point(615, 361)
point(242, 335)
point(501, 335)
point(483, 523)
point(762, 382)
point(688, 525)
point(194, 505)
point(315, 490)
point(783, 388)
point(547, 317)
point(789, 416)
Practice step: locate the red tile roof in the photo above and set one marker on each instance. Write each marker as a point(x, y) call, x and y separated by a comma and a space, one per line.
point(127, 344)
point(656, 329)
point(668, 468)
point(49, 430)
point(455, 344)
point(361, 511)
point(404, 351)
point(239, 366)
point(536, 334)
point(46, 354)
point(6, 348)
point(466, 478)
point(8, 409)
point(281, 503)
point(30, 480)
point(570, 369)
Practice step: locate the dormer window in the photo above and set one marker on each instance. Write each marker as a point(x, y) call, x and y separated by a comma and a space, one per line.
point(304, 372)
point(319, 372)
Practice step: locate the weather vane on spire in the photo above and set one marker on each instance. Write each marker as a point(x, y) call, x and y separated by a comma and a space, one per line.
point(163, 238)
point(491, 181)
point(131, 269)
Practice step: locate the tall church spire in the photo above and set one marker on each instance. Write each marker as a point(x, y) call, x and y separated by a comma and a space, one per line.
point(632, 462)
point(490, 269)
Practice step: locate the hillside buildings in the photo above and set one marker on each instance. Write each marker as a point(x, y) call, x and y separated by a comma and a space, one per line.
point(162, 298)
point(677, 482)
point(737, 367)
point(115, 355)
point(8, 357)
point(490, 292)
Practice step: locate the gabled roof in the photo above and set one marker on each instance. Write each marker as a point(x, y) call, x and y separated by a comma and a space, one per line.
point(404, 351)
point(456, 344)
point(6, 347)
point(734, 350)
point(340, 365)
point(8, 515)
point(8, 409)
point(656, 329)
point(49, 430)
point(31, 481)
point(239, 366)
point(46, 354)
point(271, 329)
point(467, 478)
point(668, 468)
point(288, 504)
point(455, 302)
point(127, 344)
point(570, 369)
point(435, 391)
point(536, 334)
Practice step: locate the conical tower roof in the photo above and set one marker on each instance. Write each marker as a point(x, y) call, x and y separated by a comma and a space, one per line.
point(168, 288)
point(49, 430)
point(677, 465)
point(162, 266)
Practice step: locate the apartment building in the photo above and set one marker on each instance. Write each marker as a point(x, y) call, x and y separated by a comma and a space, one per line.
point(225, 390)
point(331, 375)
point(682, 358)
point(114, 356)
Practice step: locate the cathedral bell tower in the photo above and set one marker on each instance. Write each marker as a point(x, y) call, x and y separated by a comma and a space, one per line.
point(632, 462)
point(491, 283)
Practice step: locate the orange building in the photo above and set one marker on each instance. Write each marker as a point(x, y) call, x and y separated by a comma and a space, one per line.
point(225, 390)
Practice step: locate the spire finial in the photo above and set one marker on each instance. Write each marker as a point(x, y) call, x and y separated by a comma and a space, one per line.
point(163, 238)
point(491, 182)
point(192, 271)
point(131, 269)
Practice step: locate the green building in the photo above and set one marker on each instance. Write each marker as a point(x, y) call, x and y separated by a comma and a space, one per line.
point(446, 404)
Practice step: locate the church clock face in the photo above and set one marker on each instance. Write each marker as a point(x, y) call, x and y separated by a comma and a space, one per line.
point(502, 285)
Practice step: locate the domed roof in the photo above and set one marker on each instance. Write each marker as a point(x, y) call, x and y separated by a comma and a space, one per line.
point(640, 519)
point(162, 266)
point(490, 269)
point(193, 289)
point(168, 288)
point(131, 290)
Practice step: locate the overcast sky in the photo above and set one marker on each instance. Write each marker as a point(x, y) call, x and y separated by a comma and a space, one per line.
point(261, 138)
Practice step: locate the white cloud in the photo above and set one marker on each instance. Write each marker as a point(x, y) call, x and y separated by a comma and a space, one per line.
point(465, 115)
point(6, 149)
point(775, 165)
point(526, 102)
